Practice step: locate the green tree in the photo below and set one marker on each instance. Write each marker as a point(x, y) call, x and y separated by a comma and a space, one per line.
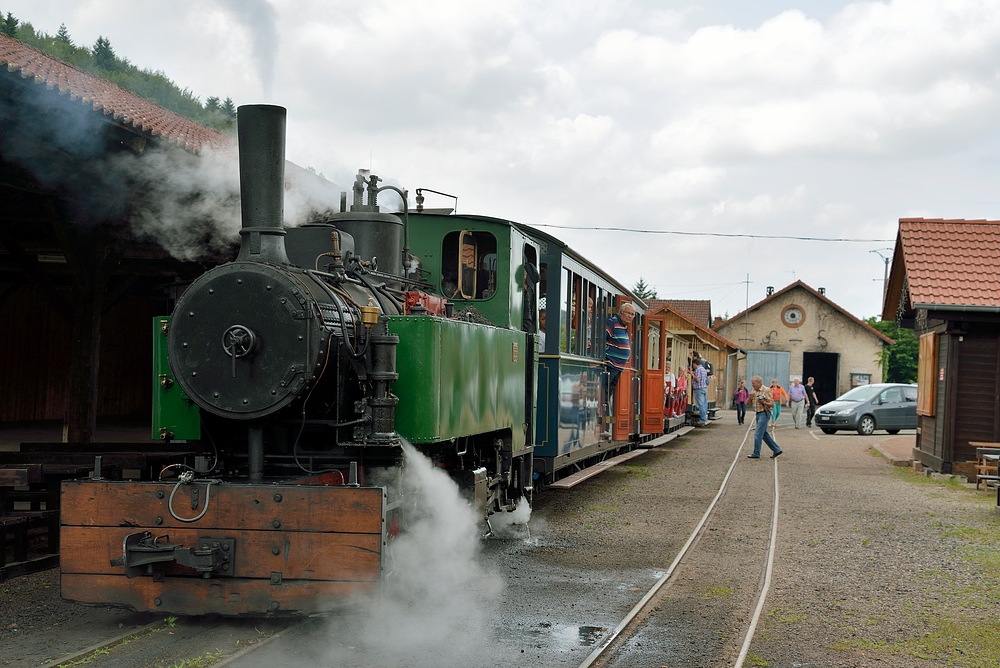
point(9, 25)
point(104, 55)
point(899, 361)
point(63, 35)
point(644, 291)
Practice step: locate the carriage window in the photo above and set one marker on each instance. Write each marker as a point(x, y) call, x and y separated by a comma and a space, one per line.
point(469, 265)
point(594, 324)
point(574, 316)
point(653, 347)
point(564, 311)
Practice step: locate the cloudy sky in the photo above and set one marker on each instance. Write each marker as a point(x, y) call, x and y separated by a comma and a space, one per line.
point(813, 119)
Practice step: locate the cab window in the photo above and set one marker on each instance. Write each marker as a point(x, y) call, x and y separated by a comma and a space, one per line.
point(469, 265)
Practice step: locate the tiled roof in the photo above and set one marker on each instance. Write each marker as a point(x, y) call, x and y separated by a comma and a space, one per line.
point(818, 295)
point(951, 262)
point(699, 310)
point(699, 328)
point(126, 108)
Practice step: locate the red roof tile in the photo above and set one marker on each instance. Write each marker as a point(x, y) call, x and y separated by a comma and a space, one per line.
point(103, 96)
point(951, 262)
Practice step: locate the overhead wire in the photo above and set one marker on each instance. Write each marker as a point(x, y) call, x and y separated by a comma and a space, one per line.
point(729, 235)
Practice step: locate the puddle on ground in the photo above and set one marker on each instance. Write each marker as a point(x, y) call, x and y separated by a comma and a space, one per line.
point(565, 638)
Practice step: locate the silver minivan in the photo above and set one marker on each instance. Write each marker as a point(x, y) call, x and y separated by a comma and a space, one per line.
point(889, 406)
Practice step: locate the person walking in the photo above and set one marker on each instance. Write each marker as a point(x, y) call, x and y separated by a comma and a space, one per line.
point(780, 398)
point(798, 399)
point(813, 401)
point(740, 401)
point(760, 402)
point(699, 385)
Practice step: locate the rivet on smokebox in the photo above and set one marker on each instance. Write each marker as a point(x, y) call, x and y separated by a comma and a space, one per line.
point(277, 498)
point(276, 524)
point(157, 601)
point(369, 314)
point(158, 520)
point(275, 551)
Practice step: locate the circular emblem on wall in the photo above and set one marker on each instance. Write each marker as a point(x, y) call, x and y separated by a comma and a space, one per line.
point(793, 316)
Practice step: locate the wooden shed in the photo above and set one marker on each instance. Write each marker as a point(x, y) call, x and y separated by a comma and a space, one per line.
point(683, 336)
point(945, 285)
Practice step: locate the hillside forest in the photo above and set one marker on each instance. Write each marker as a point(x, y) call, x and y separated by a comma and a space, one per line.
point(101, 60)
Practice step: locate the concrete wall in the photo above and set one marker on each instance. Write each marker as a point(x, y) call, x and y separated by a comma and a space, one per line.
point(824, 329)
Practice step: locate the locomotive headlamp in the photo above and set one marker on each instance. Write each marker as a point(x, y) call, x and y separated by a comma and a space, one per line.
point(369, 314)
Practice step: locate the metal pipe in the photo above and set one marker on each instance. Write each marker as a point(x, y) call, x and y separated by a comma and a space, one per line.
point(261, 132)
point(406, 225)
point(255, 442)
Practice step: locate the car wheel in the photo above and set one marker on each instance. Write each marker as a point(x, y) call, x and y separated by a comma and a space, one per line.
point(866, 425)
point(892, 432)
point(827, 430)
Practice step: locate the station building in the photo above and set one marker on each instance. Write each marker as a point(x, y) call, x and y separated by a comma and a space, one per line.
point(799, 331)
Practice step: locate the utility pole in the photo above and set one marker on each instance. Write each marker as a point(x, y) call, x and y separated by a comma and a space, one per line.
point(886, 259)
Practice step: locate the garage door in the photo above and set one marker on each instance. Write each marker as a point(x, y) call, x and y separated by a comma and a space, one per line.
point(769, 364)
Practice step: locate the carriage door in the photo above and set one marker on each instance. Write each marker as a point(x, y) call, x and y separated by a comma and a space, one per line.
point(652, 377)
point(624, 406)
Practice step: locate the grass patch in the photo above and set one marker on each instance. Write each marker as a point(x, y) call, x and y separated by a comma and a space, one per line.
point(717, 592)
point(203, 661)
point(755, 660)
point(169, 622)
point(787, 616)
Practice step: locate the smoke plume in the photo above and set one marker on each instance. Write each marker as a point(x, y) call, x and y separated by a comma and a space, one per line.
point(260, 18)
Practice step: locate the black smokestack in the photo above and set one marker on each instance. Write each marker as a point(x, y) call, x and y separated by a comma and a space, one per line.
point(261, 131)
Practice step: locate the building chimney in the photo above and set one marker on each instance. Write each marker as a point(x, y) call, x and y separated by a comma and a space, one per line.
point(718, 322)
point(770, 290)
point(822, 291)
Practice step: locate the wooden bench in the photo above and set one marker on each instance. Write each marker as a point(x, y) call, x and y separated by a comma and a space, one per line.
point(987, 458)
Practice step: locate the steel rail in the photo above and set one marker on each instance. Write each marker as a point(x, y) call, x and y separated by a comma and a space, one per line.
point(634, 612)
point(767, 574)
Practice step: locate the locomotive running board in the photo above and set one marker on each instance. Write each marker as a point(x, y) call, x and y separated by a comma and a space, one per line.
point(296, 549)
point(589, 472)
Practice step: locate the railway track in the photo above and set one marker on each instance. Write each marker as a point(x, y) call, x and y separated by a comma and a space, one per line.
point(603, 654)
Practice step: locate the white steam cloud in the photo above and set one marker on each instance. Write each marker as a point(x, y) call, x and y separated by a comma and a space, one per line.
point(190, 204)
point(437, 603)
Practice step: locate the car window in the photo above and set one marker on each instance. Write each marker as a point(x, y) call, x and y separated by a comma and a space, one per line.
point(910, 393)
point(893, 395)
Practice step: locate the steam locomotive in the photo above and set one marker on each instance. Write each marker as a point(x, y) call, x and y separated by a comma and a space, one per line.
point(297, 369)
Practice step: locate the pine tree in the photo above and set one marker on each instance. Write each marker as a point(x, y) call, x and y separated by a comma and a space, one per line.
point(9, 25)
point(643, 291)
point(63, 35)
point(229, 107)
point(104, 55)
